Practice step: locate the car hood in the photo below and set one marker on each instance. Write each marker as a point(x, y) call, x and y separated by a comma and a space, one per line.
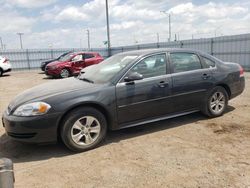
point(56, 63)
point(52, 88)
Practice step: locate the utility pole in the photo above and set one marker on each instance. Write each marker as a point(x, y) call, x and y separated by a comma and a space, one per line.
point(108, 34)
point(158, 37)
point(169, 24)
point(20, 37)
point(88, 39)
point(1, 41)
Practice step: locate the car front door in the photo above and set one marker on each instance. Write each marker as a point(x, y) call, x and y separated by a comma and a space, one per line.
point(77, 63)
point(190, 81)
point(147, 98)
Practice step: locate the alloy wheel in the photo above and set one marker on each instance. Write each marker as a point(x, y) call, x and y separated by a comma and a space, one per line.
point(217, 102)
point(85, 130)
point(64, 73)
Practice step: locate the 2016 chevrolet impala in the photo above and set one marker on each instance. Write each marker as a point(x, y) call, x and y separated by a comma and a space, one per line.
point(127, 89)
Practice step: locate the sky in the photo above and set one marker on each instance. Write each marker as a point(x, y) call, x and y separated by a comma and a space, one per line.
point(63, 23)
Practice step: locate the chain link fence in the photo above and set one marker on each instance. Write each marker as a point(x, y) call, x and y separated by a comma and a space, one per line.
point(235, 48)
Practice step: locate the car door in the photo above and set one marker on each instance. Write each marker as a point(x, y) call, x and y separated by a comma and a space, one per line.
point(190, 80)
point(77, 63)
point(147, 98)
point(89, 59)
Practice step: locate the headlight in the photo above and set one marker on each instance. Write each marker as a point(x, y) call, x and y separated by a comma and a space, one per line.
point(32, 109)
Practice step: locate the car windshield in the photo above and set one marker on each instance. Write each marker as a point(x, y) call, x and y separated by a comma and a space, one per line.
point(106, 70)
point(66, 57)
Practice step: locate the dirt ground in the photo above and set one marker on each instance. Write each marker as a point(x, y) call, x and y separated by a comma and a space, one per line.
point(188, 151)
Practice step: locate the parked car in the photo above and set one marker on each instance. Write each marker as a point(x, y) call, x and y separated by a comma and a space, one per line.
point(45, 63)
point(72, 63)
point(125, 90)
point(5, 65)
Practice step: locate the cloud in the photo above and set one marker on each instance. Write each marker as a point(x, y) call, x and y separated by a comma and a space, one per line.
point(31, 3)
point(12, 21)
point(130, 22)
point(210, 10)
point(71, 13)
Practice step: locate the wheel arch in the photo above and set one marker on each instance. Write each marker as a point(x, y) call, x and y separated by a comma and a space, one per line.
point(227, 88)
point(97, 106)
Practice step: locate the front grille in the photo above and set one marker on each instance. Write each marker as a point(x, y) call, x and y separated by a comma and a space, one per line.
point(21, 135)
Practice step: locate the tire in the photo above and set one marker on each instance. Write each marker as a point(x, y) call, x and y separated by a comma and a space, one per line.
point(79, 135)
point(64, 73)
point(216, 102)
point(1, 72)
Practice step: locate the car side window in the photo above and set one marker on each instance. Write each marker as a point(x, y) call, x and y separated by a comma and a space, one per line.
point(182, 62)
point(209, 62)
point(88, 56)
point(151, 66)
point(78, 58)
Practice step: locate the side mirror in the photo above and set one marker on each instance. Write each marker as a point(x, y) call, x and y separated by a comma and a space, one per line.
point(133, 76)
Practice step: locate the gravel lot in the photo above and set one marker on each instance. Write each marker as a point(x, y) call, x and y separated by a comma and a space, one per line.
point(188, 151)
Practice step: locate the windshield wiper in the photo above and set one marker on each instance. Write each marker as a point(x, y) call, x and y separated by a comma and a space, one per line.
point(86, 80)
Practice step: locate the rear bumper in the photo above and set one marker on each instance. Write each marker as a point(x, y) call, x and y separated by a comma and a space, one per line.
point(37, 129)
point(43, 67)
point(237, 88)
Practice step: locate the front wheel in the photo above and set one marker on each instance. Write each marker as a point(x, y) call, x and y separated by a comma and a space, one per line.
point(64, 73)
point(83, 129)
point(216, 103)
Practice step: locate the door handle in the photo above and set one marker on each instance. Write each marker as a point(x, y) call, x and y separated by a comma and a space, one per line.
point(205, 76)
point(162, 84)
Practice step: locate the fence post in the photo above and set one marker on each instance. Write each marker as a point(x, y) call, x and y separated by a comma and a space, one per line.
point(181, 44)
point(7, 178)
point(212, 46)
point(51, 53)
point(28, 59)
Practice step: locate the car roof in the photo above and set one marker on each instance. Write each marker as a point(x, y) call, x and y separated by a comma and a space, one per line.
point(159, 50)
point(83, 52)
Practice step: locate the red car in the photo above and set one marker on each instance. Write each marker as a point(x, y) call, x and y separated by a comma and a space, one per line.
point(72, 64)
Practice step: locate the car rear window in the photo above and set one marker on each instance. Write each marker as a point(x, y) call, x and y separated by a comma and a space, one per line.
point(209, 62)
point(182, 62)
point(88, 56)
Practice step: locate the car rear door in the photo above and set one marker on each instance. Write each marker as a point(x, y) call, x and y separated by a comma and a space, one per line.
point(191, 80)
point(146, 98)
point(90, 59)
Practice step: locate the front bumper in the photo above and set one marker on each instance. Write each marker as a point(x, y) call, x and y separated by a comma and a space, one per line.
point(37, 129)
point(54, 72)
point(8, 70)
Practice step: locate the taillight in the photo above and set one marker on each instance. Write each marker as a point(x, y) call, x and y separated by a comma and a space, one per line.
point(6, 61)
point(241, 71)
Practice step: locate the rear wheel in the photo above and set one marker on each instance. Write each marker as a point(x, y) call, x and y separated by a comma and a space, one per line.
point(83, 129)
point(1, 72)
point(216, 103)
point(64, 73)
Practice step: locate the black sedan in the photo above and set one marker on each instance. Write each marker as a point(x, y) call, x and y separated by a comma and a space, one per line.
point(45, 63)
point(127, 89)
